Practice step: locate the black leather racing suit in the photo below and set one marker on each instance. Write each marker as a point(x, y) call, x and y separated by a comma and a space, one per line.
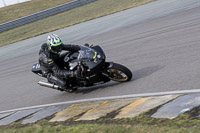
point(50, 65)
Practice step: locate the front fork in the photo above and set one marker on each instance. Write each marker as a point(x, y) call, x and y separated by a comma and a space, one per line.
point(107, 66)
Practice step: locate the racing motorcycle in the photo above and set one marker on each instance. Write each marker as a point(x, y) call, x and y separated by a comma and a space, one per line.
point(91, 61)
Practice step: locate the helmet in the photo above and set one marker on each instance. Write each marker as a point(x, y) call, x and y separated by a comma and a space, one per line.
point(54, 44)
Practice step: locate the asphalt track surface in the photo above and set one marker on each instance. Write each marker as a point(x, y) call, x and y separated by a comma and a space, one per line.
point(159, 42)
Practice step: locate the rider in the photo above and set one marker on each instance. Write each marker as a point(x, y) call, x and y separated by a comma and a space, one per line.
point(50, 58)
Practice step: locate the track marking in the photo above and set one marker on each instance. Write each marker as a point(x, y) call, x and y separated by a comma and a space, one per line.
point(106, 98)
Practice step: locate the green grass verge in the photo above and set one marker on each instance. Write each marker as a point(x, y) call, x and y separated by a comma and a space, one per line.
point(12, 12)
point(44, 127)
point(100, 128)
point(91, 11)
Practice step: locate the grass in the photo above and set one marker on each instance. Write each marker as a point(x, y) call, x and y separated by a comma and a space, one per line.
point(12, 12)
point(100, 128)
point(91, 11)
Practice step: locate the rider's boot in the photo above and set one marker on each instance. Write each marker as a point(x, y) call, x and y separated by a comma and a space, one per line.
point(57, 81)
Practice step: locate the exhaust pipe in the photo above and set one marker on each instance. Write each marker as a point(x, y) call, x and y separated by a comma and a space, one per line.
point(46, 84)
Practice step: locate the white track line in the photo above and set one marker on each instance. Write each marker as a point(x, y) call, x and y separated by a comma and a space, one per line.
point(106, 98)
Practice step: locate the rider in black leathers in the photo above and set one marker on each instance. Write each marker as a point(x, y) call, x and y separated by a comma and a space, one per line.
point(51, 59)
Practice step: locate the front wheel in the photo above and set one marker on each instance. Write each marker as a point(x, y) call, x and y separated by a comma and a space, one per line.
point(119, 73)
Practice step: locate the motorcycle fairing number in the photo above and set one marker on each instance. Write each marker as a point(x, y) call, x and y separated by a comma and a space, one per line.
point(36, 66)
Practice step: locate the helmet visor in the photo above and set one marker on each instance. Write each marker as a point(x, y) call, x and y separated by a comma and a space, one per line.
point(56, 49)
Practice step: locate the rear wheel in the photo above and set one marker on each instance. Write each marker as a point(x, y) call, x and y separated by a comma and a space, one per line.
point(119, 73)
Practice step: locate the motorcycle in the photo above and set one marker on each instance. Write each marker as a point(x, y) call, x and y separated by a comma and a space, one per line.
point(91, 61)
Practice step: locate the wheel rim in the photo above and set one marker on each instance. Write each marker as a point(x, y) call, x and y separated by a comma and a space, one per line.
point(117, 75)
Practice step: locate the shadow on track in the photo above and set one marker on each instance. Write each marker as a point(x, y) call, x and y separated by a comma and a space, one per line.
point(86, 90)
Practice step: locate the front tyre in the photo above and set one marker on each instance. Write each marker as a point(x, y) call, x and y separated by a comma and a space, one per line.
point(119, 73)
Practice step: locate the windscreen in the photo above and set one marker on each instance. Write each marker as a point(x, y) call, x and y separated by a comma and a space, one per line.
point(87, 53)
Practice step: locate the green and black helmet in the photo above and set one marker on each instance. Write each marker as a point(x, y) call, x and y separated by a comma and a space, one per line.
point(54, 44)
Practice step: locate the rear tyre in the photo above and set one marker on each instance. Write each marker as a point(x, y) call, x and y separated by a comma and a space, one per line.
point(119, 73)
